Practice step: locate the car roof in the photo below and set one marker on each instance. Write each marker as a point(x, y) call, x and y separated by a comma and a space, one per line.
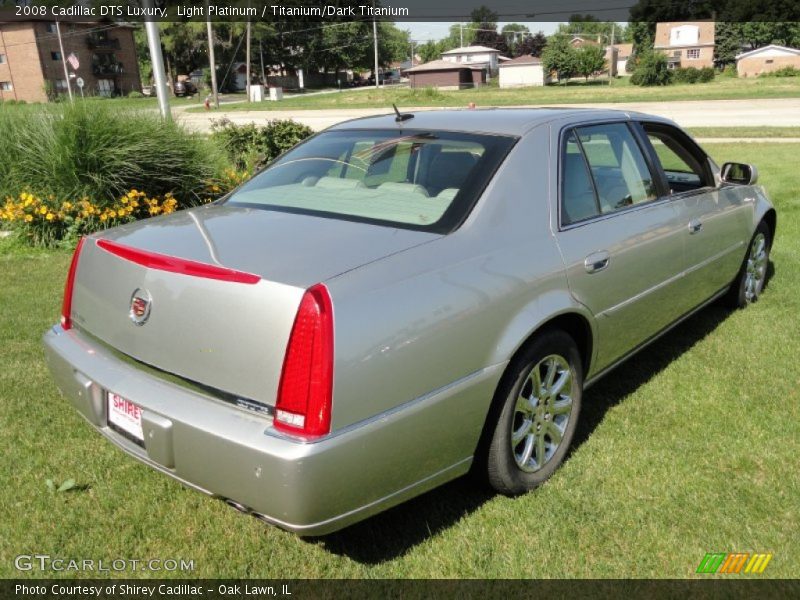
point(501, 121)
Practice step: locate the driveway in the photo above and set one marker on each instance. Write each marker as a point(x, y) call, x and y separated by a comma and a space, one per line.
point(779, 112)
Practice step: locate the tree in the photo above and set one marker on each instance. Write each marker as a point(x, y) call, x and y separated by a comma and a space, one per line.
point(590, 60)
point(514, 34)
point(559, 56)
point(430, 50)
point(651, 70)
point(532, 45)
point(728, 43)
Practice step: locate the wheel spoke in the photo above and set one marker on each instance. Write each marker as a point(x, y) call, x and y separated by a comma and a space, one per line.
point(541, 453)
point(527, 450)
point(558, 386)
point(536, 381)
point(524, 405)
point(562, 407)
point(523, 430)
point(552, 371)
point(555, 433)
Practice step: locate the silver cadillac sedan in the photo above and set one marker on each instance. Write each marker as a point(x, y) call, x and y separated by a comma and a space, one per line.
point(400, 299)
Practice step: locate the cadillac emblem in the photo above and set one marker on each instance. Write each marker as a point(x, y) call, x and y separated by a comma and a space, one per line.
point(141, 303)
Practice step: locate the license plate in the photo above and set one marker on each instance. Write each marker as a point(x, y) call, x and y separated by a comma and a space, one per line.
point(125, 416)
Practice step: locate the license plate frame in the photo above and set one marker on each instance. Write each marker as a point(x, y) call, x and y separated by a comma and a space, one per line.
point(125, 417)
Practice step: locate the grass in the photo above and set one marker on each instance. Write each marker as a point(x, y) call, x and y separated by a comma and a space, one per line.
point(690, 447)
point(99, 150)
point(619, 90)
point(745, 132)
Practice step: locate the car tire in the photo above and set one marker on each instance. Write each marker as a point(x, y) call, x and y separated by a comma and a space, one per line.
point(533, 431)
point(752, 276)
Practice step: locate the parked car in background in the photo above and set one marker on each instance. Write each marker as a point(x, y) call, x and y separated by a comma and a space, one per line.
point(400, 299)
point(185, 87)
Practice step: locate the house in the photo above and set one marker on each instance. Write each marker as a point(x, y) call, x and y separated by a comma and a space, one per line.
point(618, 56)
point(474, 55)
point(767, 59)
point(445, 74)
point(523, 71)
point(581, 41)
point(32, 69)
point(686, 43)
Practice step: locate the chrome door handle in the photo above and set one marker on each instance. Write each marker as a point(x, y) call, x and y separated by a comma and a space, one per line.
point(596, 261)
point(695, 226)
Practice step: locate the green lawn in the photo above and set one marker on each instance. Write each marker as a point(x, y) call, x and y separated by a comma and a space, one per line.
point(745, 132)
point(620, 90)
point(691, 447)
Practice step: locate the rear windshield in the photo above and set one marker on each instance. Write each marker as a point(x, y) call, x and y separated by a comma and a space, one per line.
point(426, 180)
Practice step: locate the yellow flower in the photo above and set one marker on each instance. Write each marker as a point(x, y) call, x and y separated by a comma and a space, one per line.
point(43, 211)
point(124, 200)
point(112, 213)
point(28, 218)
point(103, 217)
point(66, 206)
point(50, 216)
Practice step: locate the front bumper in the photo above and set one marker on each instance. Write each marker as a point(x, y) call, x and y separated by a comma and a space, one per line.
point(308, 488)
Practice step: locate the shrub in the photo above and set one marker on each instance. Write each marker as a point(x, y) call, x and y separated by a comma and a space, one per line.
point(135, 94)
point(250, 147)
point(651, 70)
point(99, 152)
point(788, 71)
point(685, 75)
point(707, 74)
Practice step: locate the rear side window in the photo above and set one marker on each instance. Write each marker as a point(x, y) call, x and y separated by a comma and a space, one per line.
point(427, 180)
point(604, 170)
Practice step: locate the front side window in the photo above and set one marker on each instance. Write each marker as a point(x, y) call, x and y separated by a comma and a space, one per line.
point(2, 59)
point(427, 180)
point(684, 165)
point(55, 55)
point(693, 54)
point(6, 86)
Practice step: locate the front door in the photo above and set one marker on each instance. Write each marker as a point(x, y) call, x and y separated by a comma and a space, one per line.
point(621, 244)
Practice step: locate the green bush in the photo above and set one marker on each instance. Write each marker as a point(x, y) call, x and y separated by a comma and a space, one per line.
point(250, 147)
point(97, 151)
point(787, 71)
point(135, 94)
point(685, 75)
point(651, 70)
point(707, 75)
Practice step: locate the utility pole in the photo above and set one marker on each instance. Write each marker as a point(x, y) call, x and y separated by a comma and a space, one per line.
point(412, 53)
point(211, 61)
point(64, 60)
point(375, 43)
point(247, 87)
point(612, 61)
point(461, 34)
point(154, 43)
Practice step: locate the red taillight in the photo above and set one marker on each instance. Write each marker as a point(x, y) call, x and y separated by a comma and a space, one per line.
point(66, 306)
point(306, 387)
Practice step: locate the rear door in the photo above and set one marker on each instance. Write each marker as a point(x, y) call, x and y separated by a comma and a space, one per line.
point(621, 241)
point(715, 220)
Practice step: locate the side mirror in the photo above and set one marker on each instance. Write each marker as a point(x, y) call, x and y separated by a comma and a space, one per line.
point(739, 173)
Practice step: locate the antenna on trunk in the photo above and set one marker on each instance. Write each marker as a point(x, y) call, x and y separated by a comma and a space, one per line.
point(401, 116)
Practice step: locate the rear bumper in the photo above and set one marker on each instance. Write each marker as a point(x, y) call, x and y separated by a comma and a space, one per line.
point(308, 488)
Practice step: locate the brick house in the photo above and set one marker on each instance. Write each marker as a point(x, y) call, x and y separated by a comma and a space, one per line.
point(686, 43)
point(31, 66)
point(446, 75)
point(766, 59)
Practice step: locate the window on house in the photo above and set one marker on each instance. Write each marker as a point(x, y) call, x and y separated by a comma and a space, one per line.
point(769, 62)
point(693, 53)
point(2, 59)
point(55, 55)
point(61, 85)
point(51, 28)
point(6, 86)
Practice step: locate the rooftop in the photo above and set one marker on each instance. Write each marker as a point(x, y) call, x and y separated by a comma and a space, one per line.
point(439, 65)
point(470, 50)
point(522, 60)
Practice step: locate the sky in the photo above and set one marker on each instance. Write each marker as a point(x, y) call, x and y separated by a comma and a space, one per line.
point(424, 31)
